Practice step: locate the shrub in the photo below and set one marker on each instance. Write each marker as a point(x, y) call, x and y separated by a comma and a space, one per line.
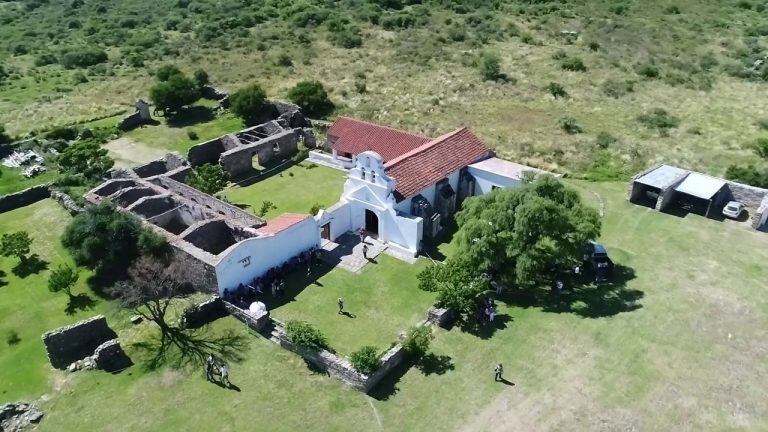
point(12, 338)
point(266, 206)
point(68, 133)
point(201, 77)
point(312, 98)
point(165, 72)
point(365, 360)
point(45, 59)
point(760, 146)
point(672, 10)
point(616, 88)
point(302, 154)
point(174, 93)
point(659, 119)
point(490, 66)
point(283, 59)
point(594, 46)
point(208, 178)
point(762, 123)
point(192, 135)
point(747, 174)
point(79, 78)
point(556, 90)
point(570, 126)
point(648, 70)
point(303, 334)
point(247, 103)
point(315, 209)
point(82, 57)
point(574, 64)
point(417, 341)
point(605, 140)
point(527, 38)
point(4, 137)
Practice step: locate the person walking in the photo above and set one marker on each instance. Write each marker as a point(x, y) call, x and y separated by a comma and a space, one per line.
point(498, 371)
point(209, 366)
point(225, 375)
point(361, 232)
point(365, 251)
point(341, 305)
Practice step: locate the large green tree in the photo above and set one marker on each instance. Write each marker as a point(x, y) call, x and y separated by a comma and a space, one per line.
point(519, 234)
point(108, 241)
point(312, 98)
point(457, 284)
point(248, 103)
point(208, 178)
point(173, 94)
point(86, 158)
point(16, 244)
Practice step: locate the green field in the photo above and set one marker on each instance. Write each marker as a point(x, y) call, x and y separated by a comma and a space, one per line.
point(416, 68)
point(12, 181)
point(383, 301)
point(679, 345)
point(28, 308)
point(295, 189)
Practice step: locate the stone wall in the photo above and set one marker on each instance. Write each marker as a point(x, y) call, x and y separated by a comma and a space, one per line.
point(206, 153)
point(751, 196)
point(208, 201)
point(197, 272)
point(200, 314)
point(67, 202)
point(441, 317)
point(24, 198)
point(110, 357)
point(239, 160)
point(339, 367)
point(68, 344)
point(254, 322)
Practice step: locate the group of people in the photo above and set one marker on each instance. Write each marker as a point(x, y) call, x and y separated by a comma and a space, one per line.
point(273, 281)
point(486, 310)
point(212, 369)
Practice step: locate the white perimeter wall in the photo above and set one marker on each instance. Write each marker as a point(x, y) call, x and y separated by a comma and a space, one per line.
point(485, 180)
point(252, 257)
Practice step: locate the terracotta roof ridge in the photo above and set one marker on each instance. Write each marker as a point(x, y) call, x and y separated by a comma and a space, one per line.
point(384, 127)
point(424, 147)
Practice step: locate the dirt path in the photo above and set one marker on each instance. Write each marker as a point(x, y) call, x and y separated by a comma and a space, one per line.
point(128, 153)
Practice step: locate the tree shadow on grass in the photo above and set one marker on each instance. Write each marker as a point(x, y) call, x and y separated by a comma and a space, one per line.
point(79, 302)
point(30, 265)
point(180, 348)
point(431, 364)
point(189, 116)
point(485, 330)
point(588, 300)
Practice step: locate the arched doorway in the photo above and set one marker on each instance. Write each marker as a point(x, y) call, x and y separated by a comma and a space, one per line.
point(371, 222)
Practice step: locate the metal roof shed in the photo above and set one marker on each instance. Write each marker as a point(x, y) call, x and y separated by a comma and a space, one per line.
point(703, 187)
point(648, 187)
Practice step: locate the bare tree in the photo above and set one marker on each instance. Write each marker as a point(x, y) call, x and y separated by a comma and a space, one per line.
point(152, 287)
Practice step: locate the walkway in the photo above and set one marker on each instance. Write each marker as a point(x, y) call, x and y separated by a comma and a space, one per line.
point(347, 252)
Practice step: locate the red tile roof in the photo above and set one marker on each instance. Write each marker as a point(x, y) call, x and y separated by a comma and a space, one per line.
point(356, 136)
point(433, 161)
point(282, 223)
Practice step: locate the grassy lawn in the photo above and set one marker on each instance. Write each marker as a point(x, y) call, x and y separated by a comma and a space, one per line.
point(383, 300)
point(682, 346)
point(26, 305)
point(295, 189)
point(12, 181)
point(173, 136)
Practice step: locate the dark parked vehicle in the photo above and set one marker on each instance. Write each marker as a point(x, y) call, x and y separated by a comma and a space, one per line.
point(597, 257)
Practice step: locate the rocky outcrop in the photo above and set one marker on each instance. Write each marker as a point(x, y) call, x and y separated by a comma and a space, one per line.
point(15, 417)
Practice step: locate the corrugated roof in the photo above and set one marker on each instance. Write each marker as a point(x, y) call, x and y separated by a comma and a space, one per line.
point(433, 161)
point(661, 177)
point(356, 136)
point(504, 168)
point(282, 223)
point(700, 185)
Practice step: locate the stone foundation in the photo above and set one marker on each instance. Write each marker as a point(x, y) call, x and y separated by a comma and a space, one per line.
point(68, 344)
point(15, 417)
point(110, 357)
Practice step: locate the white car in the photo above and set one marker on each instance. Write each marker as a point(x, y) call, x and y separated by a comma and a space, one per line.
point(733, 209)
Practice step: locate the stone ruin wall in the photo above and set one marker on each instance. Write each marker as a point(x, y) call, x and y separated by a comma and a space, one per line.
point(25, 197)
point(239, 160)
point(68, 344)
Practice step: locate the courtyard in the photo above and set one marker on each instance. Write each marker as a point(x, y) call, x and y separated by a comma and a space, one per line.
point(380, 302)
point(291, 188)
point(685, 350)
